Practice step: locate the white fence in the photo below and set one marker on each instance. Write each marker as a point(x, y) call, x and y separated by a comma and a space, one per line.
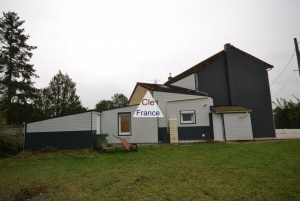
point(287, 133)
point(11, 130)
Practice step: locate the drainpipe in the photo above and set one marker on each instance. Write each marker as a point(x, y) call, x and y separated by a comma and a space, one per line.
point(244, 114)
point(186, 99)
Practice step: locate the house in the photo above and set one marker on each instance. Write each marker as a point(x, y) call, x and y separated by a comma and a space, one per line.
point(225, 97)
point(79, 130)
point(76, 130)
point(191, 108)
point(234, 78)
point(205, 121)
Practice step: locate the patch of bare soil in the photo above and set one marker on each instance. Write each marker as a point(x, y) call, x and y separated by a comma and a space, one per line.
point(26, 194)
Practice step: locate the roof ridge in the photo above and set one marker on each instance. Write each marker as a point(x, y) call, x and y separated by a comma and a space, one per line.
point(195, 68)
point(168, 88)
point(253, 57)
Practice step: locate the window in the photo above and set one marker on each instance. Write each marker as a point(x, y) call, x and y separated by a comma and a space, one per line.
point(187, 117)
point(124, 124)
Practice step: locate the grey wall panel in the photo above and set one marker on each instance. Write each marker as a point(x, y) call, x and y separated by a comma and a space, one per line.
point(213, 79)
point(162, 97)
point(188, 82)
point(231, 74)
point(143, 130)
point(61, 140)
point(163, 135)
point(218, 127)
point(253, 91)
point(76, 122)
point(237, 128)
point(194, 133)
point(250, 85)
point(186, 133)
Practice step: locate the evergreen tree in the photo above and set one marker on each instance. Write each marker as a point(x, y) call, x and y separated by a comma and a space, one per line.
point(58, 98)
point(16, 87)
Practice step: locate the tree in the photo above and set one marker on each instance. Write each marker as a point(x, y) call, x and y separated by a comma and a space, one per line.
point(42, 105)
point(287, 113)
point(104, 105)
point(117, 101)
point(16, 87)
point(58, 98)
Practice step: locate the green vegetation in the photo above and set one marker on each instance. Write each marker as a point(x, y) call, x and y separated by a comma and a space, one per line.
point(49, 149)
point(59, 98)
point(206, 171)
point(10, 145)
point(287, 113)
point(117, 101)
point(16, 86)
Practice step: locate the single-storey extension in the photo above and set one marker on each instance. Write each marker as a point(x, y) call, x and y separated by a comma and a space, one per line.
point(197, 120)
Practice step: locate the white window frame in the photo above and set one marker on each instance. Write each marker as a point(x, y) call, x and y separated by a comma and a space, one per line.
point(193, 121)
point(119, 119)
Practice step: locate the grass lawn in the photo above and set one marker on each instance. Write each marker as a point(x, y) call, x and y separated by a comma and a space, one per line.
point(205, 171)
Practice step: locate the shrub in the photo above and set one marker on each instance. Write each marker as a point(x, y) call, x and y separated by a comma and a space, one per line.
point(49, 149)
point(10, 145)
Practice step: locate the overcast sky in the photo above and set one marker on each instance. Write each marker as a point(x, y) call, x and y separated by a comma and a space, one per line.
point(108, 46)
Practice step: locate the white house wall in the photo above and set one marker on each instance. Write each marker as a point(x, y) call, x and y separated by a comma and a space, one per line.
point(76, 122)
point(201, 112)
point(237, 128)
point(95, 122)
point(162, 97)
point(218, 127)
point(187, 82)
point(143, 130)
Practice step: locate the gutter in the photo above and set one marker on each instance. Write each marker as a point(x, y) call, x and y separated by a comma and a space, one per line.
point(232, 112)
point(178, 100)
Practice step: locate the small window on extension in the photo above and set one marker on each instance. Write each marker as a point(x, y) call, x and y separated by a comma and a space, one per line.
point(187, 117)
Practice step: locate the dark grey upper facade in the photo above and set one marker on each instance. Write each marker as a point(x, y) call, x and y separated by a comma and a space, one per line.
point(234, 77)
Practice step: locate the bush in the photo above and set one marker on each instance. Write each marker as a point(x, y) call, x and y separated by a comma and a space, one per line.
point(10, 145)
point(49, 149)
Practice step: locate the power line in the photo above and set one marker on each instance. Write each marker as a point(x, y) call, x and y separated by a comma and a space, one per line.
point(296, 79)
point(283, 85)
point(284, 68)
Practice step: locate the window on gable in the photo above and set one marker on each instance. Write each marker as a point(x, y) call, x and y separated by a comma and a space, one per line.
point(124, 124)
point(187, 117)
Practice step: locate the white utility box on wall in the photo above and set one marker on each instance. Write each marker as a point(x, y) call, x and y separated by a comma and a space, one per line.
point(173, 131)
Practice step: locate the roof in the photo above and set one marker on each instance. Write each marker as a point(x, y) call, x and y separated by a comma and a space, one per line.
point(171, 89)
point(253, 57)
point(198, 67)
point(69, 114)
point(229, 109)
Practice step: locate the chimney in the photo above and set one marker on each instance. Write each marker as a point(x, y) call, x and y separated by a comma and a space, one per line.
point(169, 78)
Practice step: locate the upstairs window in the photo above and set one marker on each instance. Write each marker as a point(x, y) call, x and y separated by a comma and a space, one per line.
point(187, 117)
